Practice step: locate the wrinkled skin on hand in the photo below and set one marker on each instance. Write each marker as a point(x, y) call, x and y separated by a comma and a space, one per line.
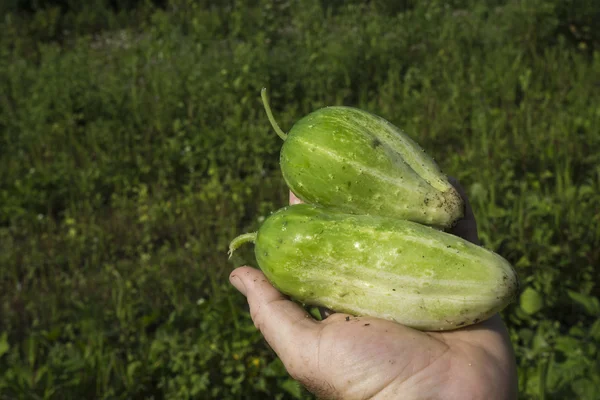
point(345, 357)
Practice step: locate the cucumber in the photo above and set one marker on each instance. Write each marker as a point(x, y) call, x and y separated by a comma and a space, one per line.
point(381, 267)
point(355, 162)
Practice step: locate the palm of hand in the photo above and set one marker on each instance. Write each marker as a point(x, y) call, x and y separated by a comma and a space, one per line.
point(362, 358)
point(343, 357)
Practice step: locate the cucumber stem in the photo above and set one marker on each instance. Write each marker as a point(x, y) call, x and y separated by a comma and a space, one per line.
point(240, 240)
point(265, 100)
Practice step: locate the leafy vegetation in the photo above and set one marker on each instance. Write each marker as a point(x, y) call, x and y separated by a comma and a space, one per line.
point(134, 146)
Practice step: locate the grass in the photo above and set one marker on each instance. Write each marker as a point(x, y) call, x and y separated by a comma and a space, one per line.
point(134, 148)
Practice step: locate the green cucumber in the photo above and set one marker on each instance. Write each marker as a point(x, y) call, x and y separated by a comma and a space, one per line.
point(381, 267)
point(355, 162)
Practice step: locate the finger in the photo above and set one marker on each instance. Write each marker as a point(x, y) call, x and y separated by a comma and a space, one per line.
point(466, 227)
point(294, 199)
point(285, 325)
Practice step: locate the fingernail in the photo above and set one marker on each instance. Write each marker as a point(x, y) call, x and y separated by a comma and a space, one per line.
point(238, 284)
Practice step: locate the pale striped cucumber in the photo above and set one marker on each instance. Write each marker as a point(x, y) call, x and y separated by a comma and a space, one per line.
point(353, 161)
point(381, 267)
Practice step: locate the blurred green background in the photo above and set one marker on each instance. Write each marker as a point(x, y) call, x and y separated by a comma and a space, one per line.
point(133, 147)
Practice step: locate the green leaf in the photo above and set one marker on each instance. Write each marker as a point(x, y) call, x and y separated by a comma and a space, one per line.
point(275, 368)
point(595, 330)
point(568, 345)
point(584, 389)
point(132, 368)
point(531, 301)
point(590, 304)
point(523, 262)
point(4, 345)
point(525, 335)
point(292, 387)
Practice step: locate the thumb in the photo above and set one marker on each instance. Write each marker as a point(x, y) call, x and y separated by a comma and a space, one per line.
point(294, 199)
point(286, 326)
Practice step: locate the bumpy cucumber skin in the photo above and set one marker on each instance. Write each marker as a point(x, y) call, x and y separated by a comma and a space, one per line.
point(382, 267)
point(353, 161)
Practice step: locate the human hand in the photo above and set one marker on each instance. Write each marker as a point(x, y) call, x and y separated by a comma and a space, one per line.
point(345, 357)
